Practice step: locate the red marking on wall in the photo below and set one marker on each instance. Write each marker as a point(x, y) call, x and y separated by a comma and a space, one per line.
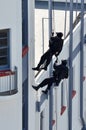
point(25, 51)
point(73, 93)
point(6, 73)
point(63, 110)
point(53, 122)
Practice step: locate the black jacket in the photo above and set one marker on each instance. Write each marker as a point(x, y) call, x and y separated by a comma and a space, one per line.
point(55, 44)
point(61, 71)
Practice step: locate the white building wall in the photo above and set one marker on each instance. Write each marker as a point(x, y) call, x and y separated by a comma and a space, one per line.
point(62, 120)
point(11, 106)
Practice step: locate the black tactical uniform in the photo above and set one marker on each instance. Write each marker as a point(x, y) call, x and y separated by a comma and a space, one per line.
point(60, 72)
point(55, 47)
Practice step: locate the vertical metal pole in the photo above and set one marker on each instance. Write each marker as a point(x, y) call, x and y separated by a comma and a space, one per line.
point(76, 7)
point(51, 90)
point(50, 17)
point(81, 63)
point(10, 81)
point(65, 22)
point(42, 35)
point(70, 65)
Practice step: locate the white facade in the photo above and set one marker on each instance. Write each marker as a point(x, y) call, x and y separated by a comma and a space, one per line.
point(60, 113)
point(21, 108)
point(11, 109)
point(11, 105)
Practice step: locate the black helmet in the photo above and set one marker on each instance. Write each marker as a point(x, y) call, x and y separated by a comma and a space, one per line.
point(60, 34)
point(64, 62)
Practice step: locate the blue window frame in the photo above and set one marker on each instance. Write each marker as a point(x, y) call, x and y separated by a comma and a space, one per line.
point(4, 48)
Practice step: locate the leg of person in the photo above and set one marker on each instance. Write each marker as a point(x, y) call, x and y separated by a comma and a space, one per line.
point(42, 60)
point(42, 84)
point(51, 81)
point(46, 81)
point(35, 87)
point(58, 81)
point(48, 62)
point(48, 59)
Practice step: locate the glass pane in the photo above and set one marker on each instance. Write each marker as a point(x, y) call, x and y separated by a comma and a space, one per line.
point(3, 42)
point(3, 52)
point(4, 47)
point(3, 61)
point(3, 34)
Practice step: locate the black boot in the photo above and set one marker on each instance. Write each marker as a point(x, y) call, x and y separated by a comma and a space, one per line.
point(45, 68)
point(36, 88)
point(45, 91)
point(36, 68)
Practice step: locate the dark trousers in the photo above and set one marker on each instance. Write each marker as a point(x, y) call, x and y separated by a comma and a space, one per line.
point(45, 59)
point(49, 82)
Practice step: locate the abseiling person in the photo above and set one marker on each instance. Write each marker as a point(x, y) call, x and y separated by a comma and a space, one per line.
point(55, 47)
point(60, 72)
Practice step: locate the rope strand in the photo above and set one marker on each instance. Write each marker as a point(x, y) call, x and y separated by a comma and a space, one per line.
point(53, 19)
point(65, 22)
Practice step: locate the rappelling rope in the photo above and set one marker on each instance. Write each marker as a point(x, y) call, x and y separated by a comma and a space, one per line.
point(65, 20)
point(53, 18)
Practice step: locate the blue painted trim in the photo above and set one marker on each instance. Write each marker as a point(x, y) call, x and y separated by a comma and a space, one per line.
point(25, 105)
point(39, 104)
point(82, 63)
point(70, 66)
point(25, 83)
point(76, 51)
point(43, 98)
point(57, 5)
point(24, 22)
point(85, 39)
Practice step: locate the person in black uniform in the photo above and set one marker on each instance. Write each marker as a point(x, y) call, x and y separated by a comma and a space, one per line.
point(55, 47)
point(60, 72)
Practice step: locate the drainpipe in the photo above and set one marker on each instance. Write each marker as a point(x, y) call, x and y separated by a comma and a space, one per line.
point(70, 67)
point(50, 68)
point(81, 65)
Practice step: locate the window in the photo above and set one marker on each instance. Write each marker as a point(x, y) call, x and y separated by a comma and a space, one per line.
point(4, 48)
